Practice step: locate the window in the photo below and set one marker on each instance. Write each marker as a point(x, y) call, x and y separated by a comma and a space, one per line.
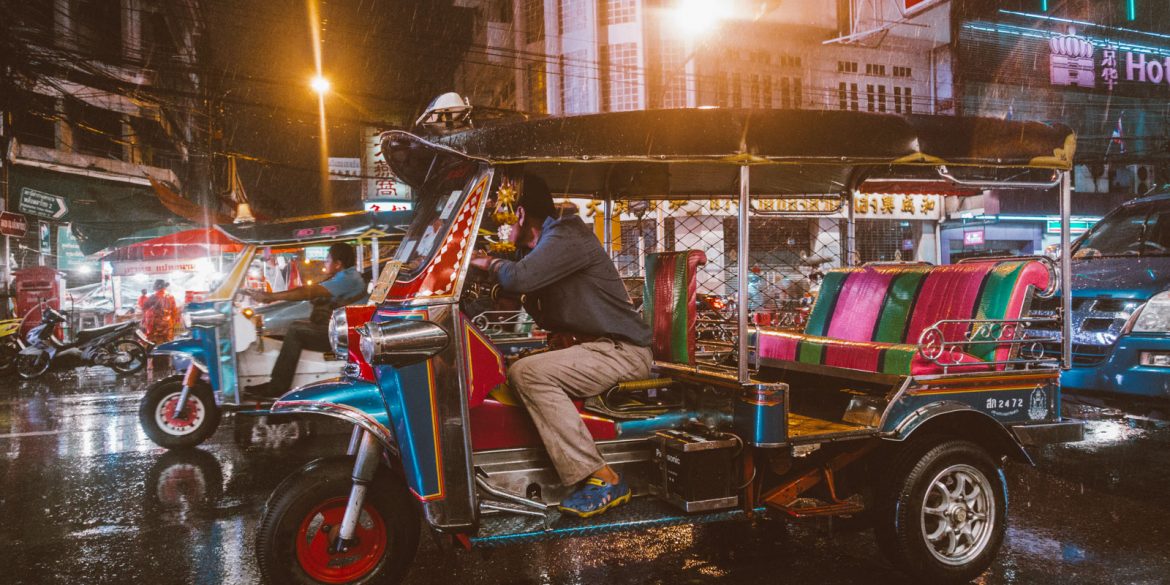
point(736, 91)
point(500, 11)
point(721, 84)
point(853, 97)
point(842, 101)
point(574, 82)
point(33, 119)
point(620, 11)
point(847, 66)
point(755, 89)
point(901, 71)
point(797, 93)
point(97, 132)
point(785, 93)
point(878, 70)
point(898, 100)
point(881, 98)
point(768, 91)
point(97, 26)
point(537, 98)
point(572, 16)
point(534, 22)
point(673, 71)
point(619, 77)
point(869, 97)
point(906, 96)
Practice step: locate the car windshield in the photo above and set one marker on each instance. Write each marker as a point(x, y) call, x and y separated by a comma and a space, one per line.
point(1137, 230)
point(437, 206)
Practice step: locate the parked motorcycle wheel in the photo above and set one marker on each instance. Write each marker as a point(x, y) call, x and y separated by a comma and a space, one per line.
point(941, 517)
point(135, 353)
point(156, 414)
point(303, 515)
point(9, 352)
point(32, 366)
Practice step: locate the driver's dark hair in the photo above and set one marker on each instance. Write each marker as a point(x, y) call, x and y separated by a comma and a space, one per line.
point(343, 253)
point(536, 200)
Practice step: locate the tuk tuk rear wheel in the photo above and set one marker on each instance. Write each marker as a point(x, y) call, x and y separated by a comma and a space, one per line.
point(303, 515)
point(156, 414)
point(941, 516)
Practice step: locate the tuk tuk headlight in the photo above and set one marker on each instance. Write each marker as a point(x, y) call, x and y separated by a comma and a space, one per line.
point(400, 342)
point(1153, 317)
point(339, 332)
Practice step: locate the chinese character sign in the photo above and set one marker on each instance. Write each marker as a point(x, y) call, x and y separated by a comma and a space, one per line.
point(1071, 61)
point(380, 182)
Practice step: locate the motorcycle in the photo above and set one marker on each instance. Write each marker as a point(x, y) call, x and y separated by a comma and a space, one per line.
point(121, 346)
point(10, 345)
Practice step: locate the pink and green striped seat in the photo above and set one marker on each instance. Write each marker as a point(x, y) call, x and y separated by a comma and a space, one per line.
point(668, 303)
point(870, 318)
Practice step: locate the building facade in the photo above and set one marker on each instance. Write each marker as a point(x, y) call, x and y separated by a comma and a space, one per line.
point(101, 97)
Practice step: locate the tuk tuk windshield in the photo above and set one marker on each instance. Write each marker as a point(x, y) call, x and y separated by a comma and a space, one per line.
point(439, 201)
point(1137, 230)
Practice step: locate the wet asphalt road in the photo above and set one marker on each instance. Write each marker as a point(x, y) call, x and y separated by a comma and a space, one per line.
point(85, 497)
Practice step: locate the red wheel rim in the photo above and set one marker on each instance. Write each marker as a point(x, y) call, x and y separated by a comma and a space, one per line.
point(192, 412)
point(316, 535)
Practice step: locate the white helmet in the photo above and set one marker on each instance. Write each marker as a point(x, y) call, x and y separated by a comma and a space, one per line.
point(449, 111)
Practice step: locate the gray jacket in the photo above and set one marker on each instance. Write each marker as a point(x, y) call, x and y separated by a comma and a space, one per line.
point(572, 285)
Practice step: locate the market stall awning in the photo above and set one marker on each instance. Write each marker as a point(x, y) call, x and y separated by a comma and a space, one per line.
point(180, 251)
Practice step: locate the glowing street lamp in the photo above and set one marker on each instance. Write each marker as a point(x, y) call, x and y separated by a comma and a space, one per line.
point(699, 17)
point(320, 85)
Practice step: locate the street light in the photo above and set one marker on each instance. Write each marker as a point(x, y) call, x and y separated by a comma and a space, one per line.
point(320, 85)
point(699, 17)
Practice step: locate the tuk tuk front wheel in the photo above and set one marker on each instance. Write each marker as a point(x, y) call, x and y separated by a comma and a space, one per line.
point(301, 521)
point(174, 430)
point(941, 517)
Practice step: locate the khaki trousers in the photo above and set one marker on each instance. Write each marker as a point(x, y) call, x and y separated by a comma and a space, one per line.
point(548, 382)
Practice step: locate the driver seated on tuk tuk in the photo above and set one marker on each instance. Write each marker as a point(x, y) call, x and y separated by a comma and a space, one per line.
point(572, 290)
point(343, 285)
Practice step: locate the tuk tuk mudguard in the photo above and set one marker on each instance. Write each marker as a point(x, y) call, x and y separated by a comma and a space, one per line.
point(983, 405)
point(200, 347)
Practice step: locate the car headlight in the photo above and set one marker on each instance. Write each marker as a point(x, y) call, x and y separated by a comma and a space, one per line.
point(400, 342)
point(339, 332)
point(1154, 316)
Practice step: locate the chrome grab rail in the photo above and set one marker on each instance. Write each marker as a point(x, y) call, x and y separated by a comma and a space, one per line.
point(934, 346)
point(1053, 271)
point(502, 322)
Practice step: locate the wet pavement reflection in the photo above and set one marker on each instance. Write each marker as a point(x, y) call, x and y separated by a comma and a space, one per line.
point(85, 497)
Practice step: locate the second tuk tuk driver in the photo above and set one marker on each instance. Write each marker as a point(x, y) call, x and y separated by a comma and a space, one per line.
point(343, 285)
point(597, 340)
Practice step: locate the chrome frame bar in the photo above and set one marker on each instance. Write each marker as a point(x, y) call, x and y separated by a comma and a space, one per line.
point(990, 184)
point(743, 375)
point(1019, 329)
point(1065, 271)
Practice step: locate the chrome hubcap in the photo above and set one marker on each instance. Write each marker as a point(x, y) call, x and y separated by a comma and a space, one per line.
point(958, 514)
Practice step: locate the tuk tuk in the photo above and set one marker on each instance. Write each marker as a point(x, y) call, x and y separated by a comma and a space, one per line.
point(234, 341)
point(903, 394)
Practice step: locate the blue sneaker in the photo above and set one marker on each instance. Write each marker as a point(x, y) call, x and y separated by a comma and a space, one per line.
point(594, 497)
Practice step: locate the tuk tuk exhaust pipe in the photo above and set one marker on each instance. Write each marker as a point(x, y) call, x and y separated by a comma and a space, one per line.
point(364, 467)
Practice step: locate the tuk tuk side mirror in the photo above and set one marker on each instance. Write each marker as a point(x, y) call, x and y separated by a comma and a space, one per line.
point(401, 342)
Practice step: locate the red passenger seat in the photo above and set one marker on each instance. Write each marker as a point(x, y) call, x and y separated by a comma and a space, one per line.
point(871, 318)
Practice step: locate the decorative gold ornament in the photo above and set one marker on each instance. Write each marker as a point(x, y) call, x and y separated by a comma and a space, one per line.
point(505, 217)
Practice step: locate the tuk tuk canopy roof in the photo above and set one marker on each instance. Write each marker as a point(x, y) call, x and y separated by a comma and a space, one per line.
point(329, 227)
point(658, 153)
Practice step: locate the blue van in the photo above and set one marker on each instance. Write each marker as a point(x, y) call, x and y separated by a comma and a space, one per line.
point(1121, 304)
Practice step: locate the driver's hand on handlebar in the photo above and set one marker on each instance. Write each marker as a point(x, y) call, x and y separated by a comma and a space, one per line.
point(259, 295)
point(481, 260)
